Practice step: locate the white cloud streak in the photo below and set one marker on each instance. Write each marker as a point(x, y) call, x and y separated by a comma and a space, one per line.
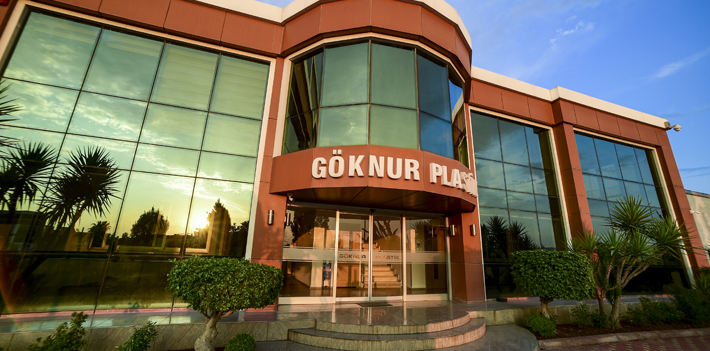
point(675, 66)
point(579, 28)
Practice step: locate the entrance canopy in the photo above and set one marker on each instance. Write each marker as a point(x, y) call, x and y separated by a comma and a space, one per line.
point(376, 176)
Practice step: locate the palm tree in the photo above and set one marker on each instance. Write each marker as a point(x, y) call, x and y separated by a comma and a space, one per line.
point(637, 239)
point(7, 107)
point(26, 171)
point(87, 184)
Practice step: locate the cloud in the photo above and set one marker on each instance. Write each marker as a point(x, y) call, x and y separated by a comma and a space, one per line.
point(579, 28)
point(675, 66)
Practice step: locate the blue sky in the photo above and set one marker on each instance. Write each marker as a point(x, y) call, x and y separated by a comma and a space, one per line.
point(651, 56)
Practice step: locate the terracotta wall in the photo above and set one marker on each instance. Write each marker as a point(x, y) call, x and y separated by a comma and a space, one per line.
point(323, 19)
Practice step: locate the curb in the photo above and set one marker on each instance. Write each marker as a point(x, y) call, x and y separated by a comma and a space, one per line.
point(620, 337)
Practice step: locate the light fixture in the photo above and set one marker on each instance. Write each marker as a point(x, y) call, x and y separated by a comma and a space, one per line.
point(473, 229)
point(270, 218)
point(452, 230)
point(675, 127)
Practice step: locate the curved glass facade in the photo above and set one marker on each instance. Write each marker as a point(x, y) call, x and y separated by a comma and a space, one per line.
point(375, 93)
point(180, 124)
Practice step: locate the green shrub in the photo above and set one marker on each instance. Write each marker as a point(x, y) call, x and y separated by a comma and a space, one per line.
point(599, 319)
point(216, 287)
point(581, 316)
point(552, 275)
point(693, 304)
point(241, 342)
point(141, 338)
point(66, 338)
point(539, 324)
point(702, 283)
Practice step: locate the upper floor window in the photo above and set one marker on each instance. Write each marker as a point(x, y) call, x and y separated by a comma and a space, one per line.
point(375, 93)
point(613, 170)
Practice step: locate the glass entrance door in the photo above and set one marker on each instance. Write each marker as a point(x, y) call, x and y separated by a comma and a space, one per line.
point(331, 255)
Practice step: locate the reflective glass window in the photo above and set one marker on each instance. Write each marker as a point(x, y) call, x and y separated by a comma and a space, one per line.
point(617, 161)
point(240, 168)
point(42, 106)
point(123, 65)
point(154, 213)
point(232, 135)
point(488, 174)
point(121, 152)
point(435, 136)
point(518, 178)
point(240, 88)
point(300, 132)
point(587, 154)
point(393, 76)
point(217, 208)
point(433, 83)
point(343, 126)
point(52, 139)
point(486, 140)
point(185, 77)
point(520, 201)
point(136, 281)
point(168, 160)
point(537, 142)
point(109, 117)
point(513, 143)
point(345, 75)
point(492, 198)
point(629, 164)
point(608, 162)
point(305, 88)
point(455, 91)
point(172, 126)
point(53, 51)
point(394, 127)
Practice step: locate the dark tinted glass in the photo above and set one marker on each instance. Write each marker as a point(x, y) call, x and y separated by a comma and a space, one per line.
point(393, 76)
point(614, 189)
point(345, 75)
point(629, 165)
point(53, 283)
point(598, 208)
point(537, 142)
point(608, 162)
point(644, 166)
point(394, 127)
point(435, 136)
point(492, 198)
point(486, 140)
point(587, 154)
point(488, 174)
point(306, 79)
point(636, 190)
point(433, 83)
point(136, 282)
point(343, 126)
point(300, 132)
point(521, 201)
point(455, 91)
point(518, 178)
point(594, 187)
point(512, 137)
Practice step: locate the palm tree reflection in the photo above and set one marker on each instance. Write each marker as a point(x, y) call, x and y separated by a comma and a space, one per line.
point(500, 239)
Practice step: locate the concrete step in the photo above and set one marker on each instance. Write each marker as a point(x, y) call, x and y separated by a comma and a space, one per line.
point(385, 279)
point(466, 333)
point(457, 321)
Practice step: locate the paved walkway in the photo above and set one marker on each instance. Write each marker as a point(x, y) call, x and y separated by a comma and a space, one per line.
point(401, 313)
point(700, 343)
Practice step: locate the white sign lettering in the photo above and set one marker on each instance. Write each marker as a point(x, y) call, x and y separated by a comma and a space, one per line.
point(394, 167)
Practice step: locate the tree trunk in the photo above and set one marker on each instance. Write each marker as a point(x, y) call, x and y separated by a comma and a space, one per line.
point(204, 342)
point(600, 301)
point(543, 306)
point(614, 317)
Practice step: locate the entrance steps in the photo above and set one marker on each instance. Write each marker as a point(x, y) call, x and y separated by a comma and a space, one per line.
point(383, 277)
point(430, 336)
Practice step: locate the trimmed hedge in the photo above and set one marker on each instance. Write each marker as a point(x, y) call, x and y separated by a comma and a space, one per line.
point(553, 274)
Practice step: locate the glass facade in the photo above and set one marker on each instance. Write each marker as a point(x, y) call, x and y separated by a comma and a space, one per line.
point(518, 196)
point(613, 170)
point(375, 93)
point(179, 128)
